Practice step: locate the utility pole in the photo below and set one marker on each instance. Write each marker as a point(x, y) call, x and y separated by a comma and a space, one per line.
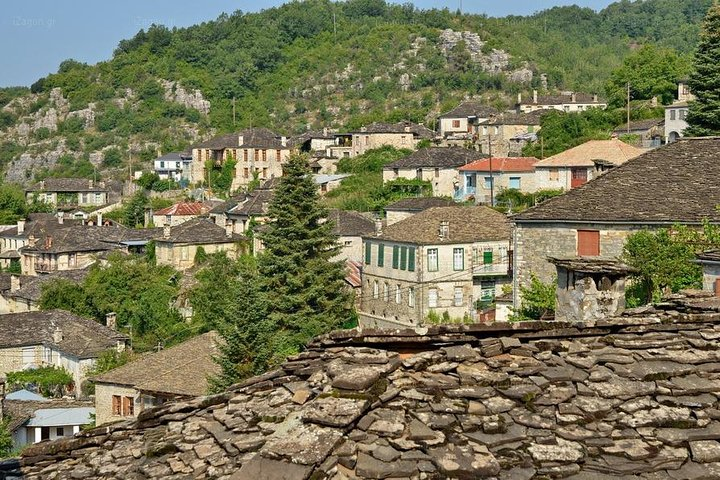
point(233, 104)
point(492, 180)
point(628, 108)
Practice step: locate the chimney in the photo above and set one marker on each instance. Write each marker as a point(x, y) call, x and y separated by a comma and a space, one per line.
point(534, 96)
point(42, 184)
point(48, 241)
point(61, 217)
point(241, 140)
point(378, 226)
point(519, 98)
point(14, 283)
point(444, 232)
point(363, 128)
point(57, 335)
point(32, 240)
point(166, 227)
point(407, 128)
point(283, 141)
point(99, 219)
point(228, 229)
point(595, 99)
point(111, 320)
point(325, 131)
point(21, 227)
point(573, 97)
point(91, 183)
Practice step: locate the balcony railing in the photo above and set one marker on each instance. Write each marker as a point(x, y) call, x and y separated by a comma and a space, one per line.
point(502, 268)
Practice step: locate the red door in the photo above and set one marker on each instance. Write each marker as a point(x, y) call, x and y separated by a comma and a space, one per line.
point(579, 177)
point(588, 243)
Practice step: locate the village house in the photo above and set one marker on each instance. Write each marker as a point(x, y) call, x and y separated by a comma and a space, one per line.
point(477, 178)
point(258, 152)
point(350, 227)
point(72, 192)
point(178, 246)
point(55, 337)
point(407, 207)
point(578, 165)
point(650, 133)
point(564, 102)
point(437, 165)
point(326, 183)
point(179, 213)
point(398, 135)
point(710, 261)
point(443, 261)
point(175, 166)
point(177, 373)
point(461, 122)
point(676, 113)
point(324, 147)
point(505, 134)
point(22, 293)
point(244, 211)
point(673, 184)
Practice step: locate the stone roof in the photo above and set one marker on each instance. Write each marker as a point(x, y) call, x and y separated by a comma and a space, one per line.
point(39, 224)
point(198, 231)
point(31, 287)
point(351, 224)
point(251, 138)
point(436, 157)
point(515, 118)
point(709, 256)
point(673, 183)
point(180, 370)
point(420, 131)
point(184, 209)
point(228, 204)
point(81, 337)
point(628, 398)
point(467, 224)
point(69, 185)
point(640, 125)
point(513, 164)
point(592, 265)
point(584, 155)
point(418, 204)
point(563, 99)
point(88, 238)
point(256, 203)
point(470, 109)
point(175, 156)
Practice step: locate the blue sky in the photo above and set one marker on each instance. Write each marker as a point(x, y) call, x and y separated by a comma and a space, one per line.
point(36, 35)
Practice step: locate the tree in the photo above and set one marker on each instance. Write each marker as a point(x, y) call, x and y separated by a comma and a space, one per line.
point(135, 210)
point(538, 300)
point(704, 113)
point(6, 441)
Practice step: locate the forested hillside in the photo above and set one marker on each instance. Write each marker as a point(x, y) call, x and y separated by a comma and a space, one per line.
point(314, 63)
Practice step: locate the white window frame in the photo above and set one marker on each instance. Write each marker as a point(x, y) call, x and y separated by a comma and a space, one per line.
point(376, 290)
point(411, 297)
point(398, 294)
point(433, 298)
point(458, 296)
point(433, 264)
point(458, 259)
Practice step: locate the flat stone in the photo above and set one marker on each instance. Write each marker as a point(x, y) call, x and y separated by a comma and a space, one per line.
point(705, 451)
point(301, 396)
point(479, 373)
point(623, 389)
point(513, 433)
point(370, 467)
point(306, 444)
point(261, 468)
point(387, 428)
point(460, 353)
point(631, 448)
point(464, 462)
point(419, 431)
point(693, 384)
point(696, 471)
point(693, 401)
point(385, 453)
point(499, 404)
point(477, 393)
point(659, 417)
point(334, 412)
point(356, 378)
point(555, 395)
point(249, 442)
point(563, 452)
point(652, 370)
point(678, 436)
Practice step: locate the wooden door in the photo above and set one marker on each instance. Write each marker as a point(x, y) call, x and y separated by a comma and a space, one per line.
point(588, 243)
point(578, 177)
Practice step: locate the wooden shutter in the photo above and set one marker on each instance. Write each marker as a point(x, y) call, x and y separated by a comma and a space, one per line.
point(396, 256)
point(717, 287)
point(403, 258)
point(487, 257)
point(411, 259)
point(368, 252)
point(588, 243)
point(116, 409)
point(381, 255)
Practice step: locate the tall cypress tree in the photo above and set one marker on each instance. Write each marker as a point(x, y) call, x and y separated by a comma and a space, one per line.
point(704, 113)
point(305, 288)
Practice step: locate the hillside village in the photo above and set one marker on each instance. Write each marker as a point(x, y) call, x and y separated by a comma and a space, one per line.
point(472, 297)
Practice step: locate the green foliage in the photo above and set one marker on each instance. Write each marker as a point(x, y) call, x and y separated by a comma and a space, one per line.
point(108, 360)
point(134, 210)
point(69, 166)
point(51, 381)
point(6, 441)
point(13, 205)
point(704, 113)
point(519, 201)
point(200, 255)
point(538, 300)
point(112, 157)
point(220, 177)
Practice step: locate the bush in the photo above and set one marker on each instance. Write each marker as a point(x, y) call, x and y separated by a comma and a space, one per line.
point(51, 381)
point(112, 157)
point(538, 300)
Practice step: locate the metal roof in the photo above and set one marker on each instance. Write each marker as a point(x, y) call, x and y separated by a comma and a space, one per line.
point(57, 417)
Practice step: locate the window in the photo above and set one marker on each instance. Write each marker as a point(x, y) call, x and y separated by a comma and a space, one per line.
point(396, 172)
point(265, 175)
point(264, 155)
point(246, 172)
point(514, 183)
point(396, 256)
point(458, 297)
point(60, 431)
point(672, 114)
point(418, 174)
point(432, 259)
point(47, 354)
point(456, 123)
point(437, 172)
point(72, 259)
point(432, 298)
point(116, 405)
point(683, 114)
point(245, 154)
point(554, 175)
point(411, 259)
point(588, 243)
point(487, 256)
point(386, 291)
point(128, 407)
point(185, 253)
point(484, 131)
point(376, 290)
point(257, 154)
point(368, 253)
point(411, 297)
point(458, 259)
point(381, 255)
point(398, 294)
point(487, 291)
point(403, 258)
point(277, 155)
point(488, 183)
point(28, 356)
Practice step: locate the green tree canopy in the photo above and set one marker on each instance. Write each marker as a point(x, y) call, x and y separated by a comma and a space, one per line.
point(704, 113)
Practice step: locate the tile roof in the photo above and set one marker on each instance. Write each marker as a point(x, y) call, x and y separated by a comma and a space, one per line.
point(251, 138)
point(467, 224)
point(69, 185)
point(179, 370)
point(512, 164)
point(81, 337)
point(470, 109)
point(673, 183)
point(420, 131)
point(198, 231)
point(184, 209)
point(354, 273)
point(418, 204)
point(350, 224)
point(614, 150)
point(436, 157)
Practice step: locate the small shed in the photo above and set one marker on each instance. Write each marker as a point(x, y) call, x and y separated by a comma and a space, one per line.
point(589, 288)
point(710, 261)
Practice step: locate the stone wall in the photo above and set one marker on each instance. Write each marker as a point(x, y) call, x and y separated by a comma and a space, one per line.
point(362, 142)
point(103, 402)
point(442, 180)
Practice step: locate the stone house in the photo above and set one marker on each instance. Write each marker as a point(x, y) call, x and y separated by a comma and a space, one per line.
point(326, 183)
point(461, 122)
point(350, 227)
point(179, 213)
point(70, 192)
point(22, 293)
point(257, 152)
point(578, 165)
point(248, 209)
point(407, 207)
point(442, 260)
point(650, 133)
point(673, 184)
point(437, 165)
point(675, 114)
point(175, 166)
point(564, 102)
point(477, 178)
point(180, 372)
point(710, 261)
point(54, 337)
point(501, 135)
point(398, 135)
point(178, 245)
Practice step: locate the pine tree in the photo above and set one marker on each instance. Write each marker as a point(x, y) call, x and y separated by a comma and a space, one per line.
point(704, 113)
point(305, 287)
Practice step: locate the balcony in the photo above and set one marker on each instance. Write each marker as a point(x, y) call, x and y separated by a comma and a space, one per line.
point(491, 269)
point(462, 194)
point(43, 267)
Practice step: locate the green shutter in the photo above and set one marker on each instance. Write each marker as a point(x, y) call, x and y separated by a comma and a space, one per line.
point(381, 255)
point(368, 252)
point(487, 257)
point(396, 256)
point(411, 259)
point(403, 258)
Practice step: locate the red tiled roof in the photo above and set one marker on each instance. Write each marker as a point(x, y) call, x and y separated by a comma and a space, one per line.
point(512, 164)
point(183, 208)
point(353, 276)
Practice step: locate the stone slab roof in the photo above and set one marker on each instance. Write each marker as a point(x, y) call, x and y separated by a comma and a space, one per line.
point(198, 231)
point(640, 125)
point(467, 224)
point(709, 256)
point(39, 224)
point(175, 156)
point(69, 185)
point(81, 337)
point(470, 109)
point(419, 131)
point(563, 99)
point(31, 287)
point(629, 398)
point(436, 157)
point(584, 155)
point(673, 183)
point(513, 164)
point(592, 265)
point(22, 411)
point(180, 370)
point(88, 238)
point(351, 224)
point(251, 138)
point(184, 209)
point(515, 118)
point(418, 204)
